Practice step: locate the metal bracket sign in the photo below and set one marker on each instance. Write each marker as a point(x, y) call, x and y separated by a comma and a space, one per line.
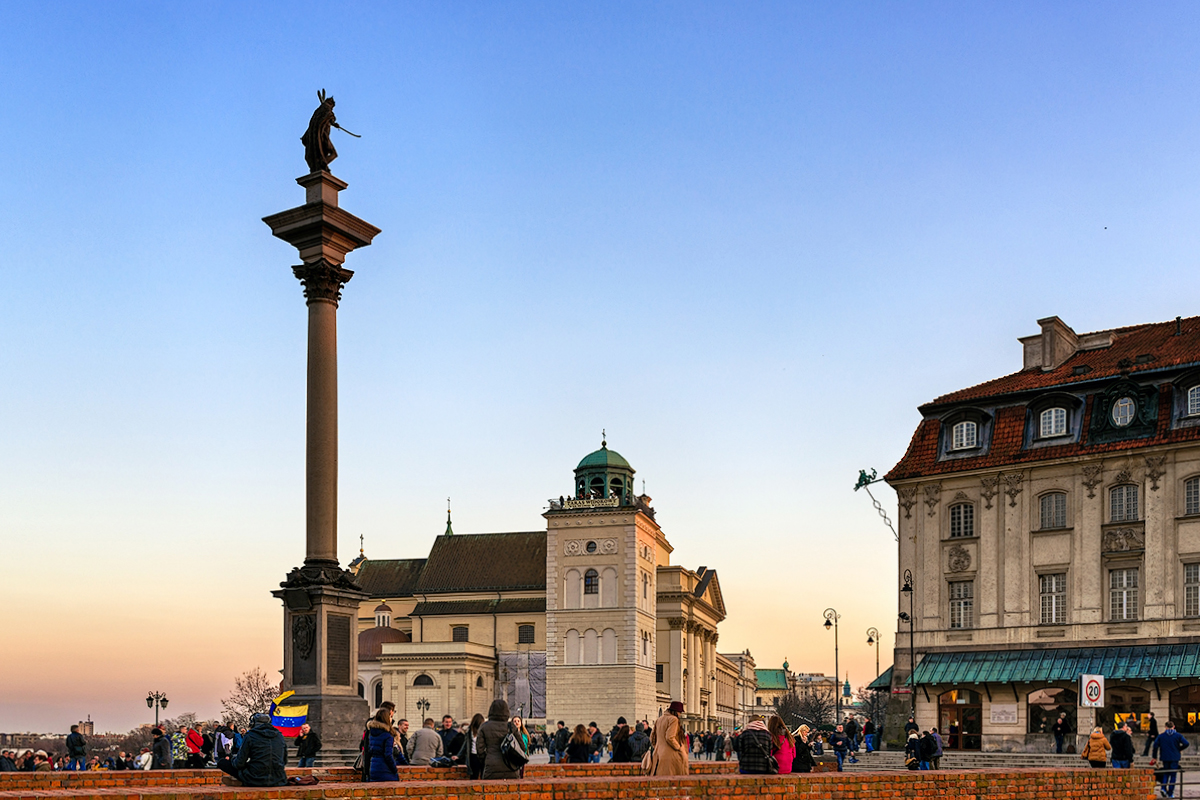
point(1091, 691)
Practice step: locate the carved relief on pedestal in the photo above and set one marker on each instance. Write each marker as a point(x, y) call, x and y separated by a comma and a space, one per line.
point(988, 490)
point(1154, 470)
point(908, 499)
point(958, 559)
point(1092, 477)
point(304, 634)
point(933, 495)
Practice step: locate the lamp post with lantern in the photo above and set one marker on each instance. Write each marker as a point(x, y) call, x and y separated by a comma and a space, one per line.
point(873, 639)
point(831, 621)
point(156, 700)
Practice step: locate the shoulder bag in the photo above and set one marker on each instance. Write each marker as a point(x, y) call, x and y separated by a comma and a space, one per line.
point(512, 753)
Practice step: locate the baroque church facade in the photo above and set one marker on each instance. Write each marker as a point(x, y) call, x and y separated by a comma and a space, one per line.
point(585, 620)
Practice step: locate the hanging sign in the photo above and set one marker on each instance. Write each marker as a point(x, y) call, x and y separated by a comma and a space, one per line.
point(1091, 691)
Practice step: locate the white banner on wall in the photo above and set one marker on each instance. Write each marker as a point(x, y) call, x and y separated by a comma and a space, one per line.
point(1004, 713)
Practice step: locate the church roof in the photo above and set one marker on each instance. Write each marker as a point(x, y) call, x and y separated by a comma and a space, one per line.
point(371, 641)
point(771, 678)
point(604, 458)
point(485, 562)
point(391, 577)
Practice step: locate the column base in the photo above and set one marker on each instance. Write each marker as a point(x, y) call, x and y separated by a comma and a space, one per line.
point(338, 719)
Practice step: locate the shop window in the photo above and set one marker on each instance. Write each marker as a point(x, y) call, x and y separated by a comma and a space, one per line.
point(960, 719)
point(1185, 708)
point(1124, 703)
point(1045, 705)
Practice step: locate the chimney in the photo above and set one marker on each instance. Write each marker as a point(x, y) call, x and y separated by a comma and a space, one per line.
point(1052, 347)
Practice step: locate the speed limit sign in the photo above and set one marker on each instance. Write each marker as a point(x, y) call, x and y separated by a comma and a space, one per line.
point(1091, 691)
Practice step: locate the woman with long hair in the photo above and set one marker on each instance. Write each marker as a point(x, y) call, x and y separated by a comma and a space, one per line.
point(491, 734)
point(804, 761)
point(469, 754)
point(579, 746)
point(668, 743)
point(783, 745)
point(381, 739)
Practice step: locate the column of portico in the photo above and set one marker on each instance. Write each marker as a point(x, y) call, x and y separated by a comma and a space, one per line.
point(694, 677)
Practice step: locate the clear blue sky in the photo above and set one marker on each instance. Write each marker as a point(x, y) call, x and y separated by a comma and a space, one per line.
point(748, 239)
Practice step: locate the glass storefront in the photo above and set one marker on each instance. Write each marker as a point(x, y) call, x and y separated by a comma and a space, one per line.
point(1185, 708)
point(960, 719)
point(1045, 705)
point(1124, 703)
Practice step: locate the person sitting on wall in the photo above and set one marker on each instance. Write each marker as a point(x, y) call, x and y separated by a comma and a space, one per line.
point(262, 758)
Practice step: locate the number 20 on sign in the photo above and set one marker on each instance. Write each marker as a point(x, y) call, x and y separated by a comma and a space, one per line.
point(1091, 691)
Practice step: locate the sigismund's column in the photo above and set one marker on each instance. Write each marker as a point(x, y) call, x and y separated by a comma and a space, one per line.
point(321, 600)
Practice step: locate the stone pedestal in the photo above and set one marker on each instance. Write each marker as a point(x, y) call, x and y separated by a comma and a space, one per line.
point(321, 600)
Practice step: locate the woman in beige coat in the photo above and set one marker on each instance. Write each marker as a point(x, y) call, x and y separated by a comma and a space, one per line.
point(668, 744)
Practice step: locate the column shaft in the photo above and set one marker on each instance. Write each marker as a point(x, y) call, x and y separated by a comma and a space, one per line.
point(322, 433)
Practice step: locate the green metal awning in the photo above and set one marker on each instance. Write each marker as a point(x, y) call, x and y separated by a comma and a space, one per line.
point(1168, 661)
point(884, 681)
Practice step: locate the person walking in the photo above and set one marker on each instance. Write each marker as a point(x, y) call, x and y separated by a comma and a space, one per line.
point(160, 751)
point(1122, 747)
point(850, 726)
point(639, 742)
point(381, 744)
point(668, 743)
point(622, 750)
point(425, 745)
point(597, 742)
point(868, 731)
point(1061, 728)
point(1168, 745)
point(76, 750)
point(754, 749)
point(1095, 752)
point(491, 734)
point(840, 744)
point(936, 763)
point(558, 745)
point(928, 749)
point(579, 746)
point(803, 761)
point(308, 744)
point(783, 745)
point(1151, 735)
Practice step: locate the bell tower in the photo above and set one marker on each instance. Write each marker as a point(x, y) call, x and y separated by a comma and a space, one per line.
point(602, 545)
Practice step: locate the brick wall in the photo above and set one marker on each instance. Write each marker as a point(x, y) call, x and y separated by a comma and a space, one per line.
point(1053, 784)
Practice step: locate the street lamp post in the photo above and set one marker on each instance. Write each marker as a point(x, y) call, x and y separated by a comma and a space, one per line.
point(156, 700)
point(873, 639)
point(831, 621)
point(907, 589)
point(423, 707)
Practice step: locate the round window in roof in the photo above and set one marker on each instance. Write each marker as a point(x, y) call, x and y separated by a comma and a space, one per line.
point(1122, 412)
point(591, 547)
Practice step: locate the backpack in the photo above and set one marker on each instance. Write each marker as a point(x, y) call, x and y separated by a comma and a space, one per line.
point(512, 753)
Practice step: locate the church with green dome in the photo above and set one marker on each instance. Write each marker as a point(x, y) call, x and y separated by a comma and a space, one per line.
point(584, 619)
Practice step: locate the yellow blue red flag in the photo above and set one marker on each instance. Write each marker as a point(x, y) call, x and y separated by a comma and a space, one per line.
point(288, 719)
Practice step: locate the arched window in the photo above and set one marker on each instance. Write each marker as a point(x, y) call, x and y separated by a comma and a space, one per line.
point(422, 680)
point(597, 486)
point(608, 647)
point(591, 646)
point(573, 583)
point(965, 436)
point(479, 682)
point(1191, 496)
point(1123, 503)
point(591, 582)
point(1054, 511)
point(1053, 422)
point(960, 712)
point(378, 694)
point(1185, 708)
point(574, 654)
point(1193, 401)
point(616, 487)
point(1124, 703)
point(962, 520)
point(608, 588)
point(1046, 704)
point(361, 691)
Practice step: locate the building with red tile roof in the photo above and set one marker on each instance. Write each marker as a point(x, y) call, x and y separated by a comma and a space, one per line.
point(1050, 528)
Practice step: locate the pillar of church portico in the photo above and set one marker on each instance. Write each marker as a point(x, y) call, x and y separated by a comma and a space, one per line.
point(321, 600)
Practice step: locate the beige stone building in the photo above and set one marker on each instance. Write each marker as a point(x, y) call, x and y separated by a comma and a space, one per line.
point(586, 620)
point(1050, 520)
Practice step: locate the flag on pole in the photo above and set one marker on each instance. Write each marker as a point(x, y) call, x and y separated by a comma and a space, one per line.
point(288, 719)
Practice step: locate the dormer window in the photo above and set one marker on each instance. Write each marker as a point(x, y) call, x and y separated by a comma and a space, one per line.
point(965, 436)
point(1193, 401)
point(1123, 411)
point(1053, 422)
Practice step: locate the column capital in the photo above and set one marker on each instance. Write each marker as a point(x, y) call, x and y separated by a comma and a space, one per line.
point(322, 280)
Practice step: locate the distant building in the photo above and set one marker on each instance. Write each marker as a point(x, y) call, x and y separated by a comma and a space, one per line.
point(87, 727)
point(585, 620)
point(1051, 522)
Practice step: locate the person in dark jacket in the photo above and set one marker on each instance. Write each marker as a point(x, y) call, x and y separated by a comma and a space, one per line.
point(1061, 728)
point(804, 761)
point(840, 744)
point(622, 751)
point(579, 746)
point(308, 744)
point(1151, 735)
point(381, 743)
point(928, 750)
point(263, 756)
point(468, 754)
point(160, 752)
point(597, 742)
point(452, 739)
point(7, 762)
point(558, 745)
point(754, 749)
point(76, 750)
point(1122, 747)
point(869, 735)
point(912, 751)
point(487, 743)
point(1168, 745)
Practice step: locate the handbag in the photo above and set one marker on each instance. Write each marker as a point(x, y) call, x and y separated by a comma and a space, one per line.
point(512, 753)
point(647, 760)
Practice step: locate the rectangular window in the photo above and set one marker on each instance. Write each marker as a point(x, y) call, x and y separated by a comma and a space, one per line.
point(964, 436)
point(962, 520)
point(1054, 511)
point(1191, 590)
point(962, 604)
point(1123, 503)
point(1054, 422)
point(1123, 594)
point(458, 633)
point(525, 634)
point(1194, 401)
point(1054, 598)
point(1191, 496)
point(658, 673)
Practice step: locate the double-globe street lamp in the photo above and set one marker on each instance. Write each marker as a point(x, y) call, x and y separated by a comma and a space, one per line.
point(831, 621)
point(156, 700)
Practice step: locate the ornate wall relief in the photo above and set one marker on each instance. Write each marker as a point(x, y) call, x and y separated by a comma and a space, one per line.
point(1012, 482)
point(1092, 477)
point(959, 560)
point(1121, 540)
point(908, 499)
point(579, 547)
point(933, 495)
point(988, 490)
point(1154, 470)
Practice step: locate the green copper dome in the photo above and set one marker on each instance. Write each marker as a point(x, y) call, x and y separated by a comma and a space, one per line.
point(604, 458)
